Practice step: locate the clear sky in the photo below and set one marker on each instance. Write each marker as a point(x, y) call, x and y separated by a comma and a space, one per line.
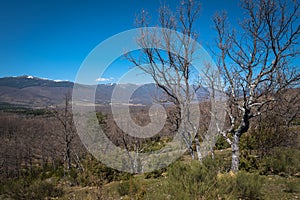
point(51, 38)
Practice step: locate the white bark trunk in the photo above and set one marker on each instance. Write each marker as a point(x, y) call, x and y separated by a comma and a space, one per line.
point(198, 149)
point(235, 153)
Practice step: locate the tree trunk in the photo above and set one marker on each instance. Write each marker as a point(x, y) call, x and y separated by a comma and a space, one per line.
point(235, 153)
point(191, 151)
point(198, 148)
point(68, 156)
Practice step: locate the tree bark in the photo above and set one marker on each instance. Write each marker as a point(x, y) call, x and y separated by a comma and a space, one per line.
point(198, 148)
point(235, 153)
point(257, 61)
point(68, 155)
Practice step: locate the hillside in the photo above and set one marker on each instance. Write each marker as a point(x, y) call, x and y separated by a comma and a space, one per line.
point(31, 91)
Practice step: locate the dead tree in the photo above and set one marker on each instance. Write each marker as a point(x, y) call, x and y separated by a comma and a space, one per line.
point(256, 60)
point(64, 116)
point(171, 69)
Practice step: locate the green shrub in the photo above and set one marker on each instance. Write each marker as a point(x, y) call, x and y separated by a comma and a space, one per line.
point(226, 186)
point(130, 187)
point(281, 161)
point(221, 161)
point(59, 172)
point(155, 174)
point(248, 162)
point(221, 143)
point(24, 189)
point(292, 186)
point(41, 190)
point(96, 173)
point(248, 186)
point(242, 185)
point(73, 175)
point(191, 180)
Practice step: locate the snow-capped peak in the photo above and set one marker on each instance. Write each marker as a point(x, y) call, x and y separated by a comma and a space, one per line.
point(61, 80)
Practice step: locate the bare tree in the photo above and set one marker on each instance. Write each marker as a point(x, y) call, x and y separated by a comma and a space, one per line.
point(171, 69)
point(256, 60)
point(64, 116)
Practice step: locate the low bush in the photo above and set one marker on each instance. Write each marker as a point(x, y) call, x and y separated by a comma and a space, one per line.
point(292, 186)
point(130, 187)
point(41, 190)
point(248, 185)
point(96, 173)
point(155, 174)
point(191, 180)
point(242, 185)
point(25, 189)
point(221, 143)
point(248, 162)
point(281, 161)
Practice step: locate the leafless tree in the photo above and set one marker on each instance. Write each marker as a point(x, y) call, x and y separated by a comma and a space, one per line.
point(171, 69)
point(64, 116)
point(256, 60)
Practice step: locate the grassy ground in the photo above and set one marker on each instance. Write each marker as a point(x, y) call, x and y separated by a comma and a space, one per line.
point(184, 179)
point(272, 187)
point(275, 187)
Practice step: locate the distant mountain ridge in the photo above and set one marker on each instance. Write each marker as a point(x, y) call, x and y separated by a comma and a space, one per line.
point(31, 81)
point(32, 91)
point(38, 92)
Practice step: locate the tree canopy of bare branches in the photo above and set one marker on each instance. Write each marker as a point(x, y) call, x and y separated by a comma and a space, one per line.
point(65, 118)
point(256, 60)
point(171, 69)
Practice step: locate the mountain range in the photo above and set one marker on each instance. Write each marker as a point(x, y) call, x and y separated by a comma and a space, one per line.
point(32, 91)
point(29, 91)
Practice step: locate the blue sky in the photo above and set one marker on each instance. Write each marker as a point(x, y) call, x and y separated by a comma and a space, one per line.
point(51, 38)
